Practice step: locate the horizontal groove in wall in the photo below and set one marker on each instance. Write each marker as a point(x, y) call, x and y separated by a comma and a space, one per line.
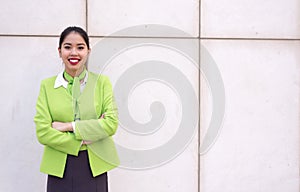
point(162, 37)
point(17, 35)
point(142, 37)
point(249, 39)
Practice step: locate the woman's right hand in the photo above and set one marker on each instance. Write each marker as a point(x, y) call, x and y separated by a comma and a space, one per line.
point(86, 142)
point(102, 116)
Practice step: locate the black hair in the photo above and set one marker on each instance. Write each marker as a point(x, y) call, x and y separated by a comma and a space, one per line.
point(75, 29)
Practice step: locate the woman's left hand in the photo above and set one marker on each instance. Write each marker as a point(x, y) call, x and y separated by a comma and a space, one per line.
point(62, 126)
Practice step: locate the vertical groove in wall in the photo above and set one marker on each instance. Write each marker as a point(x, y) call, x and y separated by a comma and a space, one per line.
point(199, 22)
point(86, 16)
point(199, 78)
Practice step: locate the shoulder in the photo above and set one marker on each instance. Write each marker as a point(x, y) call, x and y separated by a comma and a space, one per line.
point(99, 78)
point(49, 81)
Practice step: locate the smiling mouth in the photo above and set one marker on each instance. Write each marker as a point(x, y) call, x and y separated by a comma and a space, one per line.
point(73, 61)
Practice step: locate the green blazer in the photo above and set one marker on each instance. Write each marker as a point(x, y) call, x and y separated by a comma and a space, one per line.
point(56, 104)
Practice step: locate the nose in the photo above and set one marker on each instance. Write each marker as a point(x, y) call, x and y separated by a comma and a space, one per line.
point(74, 51)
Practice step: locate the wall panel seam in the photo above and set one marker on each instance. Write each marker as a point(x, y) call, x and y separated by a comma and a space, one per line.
point(86, 16)
point(162, 37)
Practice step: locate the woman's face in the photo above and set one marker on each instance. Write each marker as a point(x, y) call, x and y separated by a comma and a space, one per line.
point(74, 53)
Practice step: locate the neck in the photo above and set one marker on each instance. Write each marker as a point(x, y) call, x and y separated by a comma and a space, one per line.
point(75, 73)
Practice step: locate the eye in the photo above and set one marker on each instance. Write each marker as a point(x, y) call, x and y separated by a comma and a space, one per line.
point(67, 47)
point(81, 47)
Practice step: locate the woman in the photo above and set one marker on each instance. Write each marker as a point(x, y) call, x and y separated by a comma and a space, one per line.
point(75, 119)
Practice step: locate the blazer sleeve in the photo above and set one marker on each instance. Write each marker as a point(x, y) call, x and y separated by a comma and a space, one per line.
point(98, 129)
point(46, 135)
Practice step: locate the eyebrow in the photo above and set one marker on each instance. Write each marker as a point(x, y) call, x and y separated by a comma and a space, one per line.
point(76, 44)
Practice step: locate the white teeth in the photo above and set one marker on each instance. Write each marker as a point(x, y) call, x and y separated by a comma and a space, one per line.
point(73, 60)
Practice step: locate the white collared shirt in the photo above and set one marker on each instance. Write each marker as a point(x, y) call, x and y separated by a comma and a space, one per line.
point(60, 81)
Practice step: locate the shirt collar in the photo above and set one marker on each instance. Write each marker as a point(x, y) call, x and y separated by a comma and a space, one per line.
point(60, 80)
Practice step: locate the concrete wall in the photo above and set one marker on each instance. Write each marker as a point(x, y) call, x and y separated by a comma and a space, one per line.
point(254, 44)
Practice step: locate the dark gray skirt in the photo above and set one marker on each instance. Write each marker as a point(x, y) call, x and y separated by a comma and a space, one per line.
point(78, 177)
